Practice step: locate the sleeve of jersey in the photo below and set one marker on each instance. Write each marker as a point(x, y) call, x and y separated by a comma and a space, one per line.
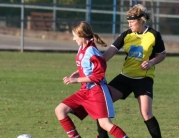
point(119, 42)
point(159, 43)
point(99, 68)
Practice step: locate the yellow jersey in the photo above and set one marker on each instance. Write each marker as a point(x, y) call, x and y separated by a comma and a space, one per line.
point(139, 48)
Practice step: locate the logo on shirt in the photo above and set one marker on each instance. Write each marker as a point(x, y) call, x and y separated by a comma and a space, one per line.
point(136, 51)
point(80, 56)
point(78, 63)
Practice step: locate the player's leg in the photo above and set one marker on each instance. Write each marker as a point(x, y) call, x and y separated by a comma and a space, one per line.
point(101, 132)
point(143, 90)
point(62, 111)
point(116, 95)
point(118, 84)
point(145, 104)
point(114, 130)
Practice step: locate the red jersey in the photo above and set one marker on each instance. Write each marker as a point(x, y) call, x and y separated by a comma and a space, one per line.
point(91, 63)
point(94, 97)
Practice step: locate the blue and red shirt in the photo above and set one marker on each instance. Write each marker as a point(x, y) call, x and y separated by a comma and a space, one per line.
point(91, 63)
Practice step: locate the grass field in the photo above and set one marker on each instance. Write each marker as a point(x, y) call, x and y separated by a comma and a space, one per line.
point(31, 87)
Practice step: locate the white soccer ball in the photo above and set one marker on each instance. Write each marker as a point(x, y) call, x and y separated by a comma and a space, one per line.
point(24, 136)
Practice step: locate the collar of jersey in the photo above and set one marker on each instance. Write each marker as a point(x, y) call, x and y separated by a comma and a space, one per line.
point(87, 44)
point(147, 27)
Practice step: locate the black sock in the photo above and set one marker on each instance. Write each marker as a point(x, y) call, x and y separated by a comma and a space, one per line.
point(153, 127)
point(102, 133)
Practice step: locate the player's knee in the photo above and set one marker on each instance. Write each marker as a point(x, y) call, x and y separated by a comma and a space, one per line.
point(146, 115)
point(106, 125)
point(59, 109)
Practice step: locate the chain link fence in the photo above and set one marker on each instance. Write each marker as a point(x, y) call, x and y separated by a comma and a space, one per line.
point(107, 18)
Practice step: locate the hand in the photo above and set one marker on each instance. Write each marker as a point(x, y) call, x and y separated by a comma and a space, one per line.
point(69, 80)
point(146, 65)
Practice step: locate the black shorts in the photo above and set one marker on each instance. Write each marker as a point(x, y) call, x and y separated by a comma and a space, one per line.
point(127, 85)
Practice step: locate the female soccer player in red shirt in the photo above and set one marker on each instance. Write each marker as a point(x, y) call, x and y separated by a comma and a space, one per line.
point(94, 96)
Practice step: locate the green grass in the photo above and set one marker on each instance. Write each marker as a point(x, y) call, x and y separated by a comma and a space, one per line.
point(31, 87)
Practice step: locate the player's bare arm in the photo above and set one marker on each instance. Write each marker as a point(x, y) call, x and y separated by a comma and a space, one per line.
point(110, 52)
point(147, 64)
point(75, 74)
point(71, 80)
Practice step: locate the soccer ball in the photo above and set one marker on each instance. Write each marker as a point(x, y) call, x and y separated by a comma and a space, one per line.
point(24, 136)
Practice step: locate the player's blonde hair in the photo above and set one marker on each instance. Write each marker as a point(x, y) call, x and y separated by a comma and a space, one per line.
point(139, 11)
point(84, 29)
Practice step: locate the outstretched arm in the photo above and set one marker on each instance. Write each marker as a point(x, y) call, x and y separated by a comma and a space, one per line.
point(75, 74)
point(110, 52)
point(71, 80)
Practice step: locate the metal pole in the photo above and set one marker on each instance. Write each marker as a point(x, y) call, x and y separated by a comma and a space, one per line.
point(22, 25)
point(114, 19)
point(157, 17)
point(121, 16)
point(152, 12)
point(88, 12)
point(54, 14)
point(130, 3)
point(136, 2)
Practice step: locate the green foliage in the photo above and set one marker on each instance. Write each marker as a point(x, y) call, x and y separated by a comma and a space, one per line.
point(31, 87)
